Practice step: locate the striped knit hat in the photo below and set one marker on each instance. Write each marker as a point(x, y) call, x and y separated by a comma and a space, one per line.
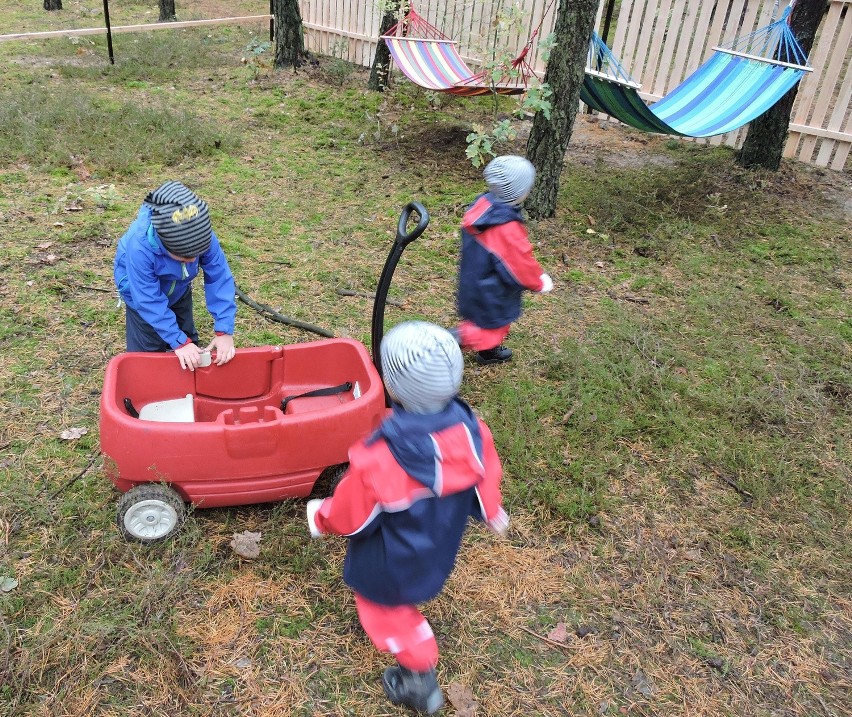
point(422, 366)
point(181, 219)
point(510, 178)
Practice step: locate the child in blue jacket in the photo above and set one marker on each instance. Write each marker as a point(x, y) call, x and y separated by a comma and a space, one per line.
point(156, 261)
point(496, 264)
point(405, 501)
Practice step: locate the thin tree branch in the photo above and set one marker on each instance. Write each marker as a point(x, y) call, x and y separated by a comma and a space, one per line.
point(270, 313)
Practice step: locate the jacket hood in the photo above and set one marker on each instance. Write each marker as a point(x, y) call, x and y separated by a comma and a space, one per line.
point(443, 451)
point(487, 211)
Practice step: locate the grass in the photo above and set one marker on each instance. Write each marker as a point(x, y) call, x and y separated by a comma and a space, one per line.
point(675, 429)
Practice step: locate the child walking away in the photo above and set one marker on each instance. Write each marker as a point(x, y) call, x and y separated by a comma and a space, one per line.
point(405, 501)
point(157, 259)
point(497, 263)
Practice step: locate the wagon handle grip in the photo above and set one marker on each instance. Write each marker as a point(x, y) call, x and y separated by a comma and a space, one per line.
point(403, 237)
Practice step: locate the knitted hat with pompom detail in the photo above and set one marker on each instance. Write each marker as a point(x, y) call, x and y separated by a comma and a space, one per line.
point(181, 219)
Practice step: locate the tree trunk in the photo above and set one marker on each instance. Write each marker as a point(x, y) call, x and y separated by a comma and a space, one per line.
point(767, 135)
point(167, 11)
point(289, 38)
point(549, 138)
point(381, 62)
point(52, 5)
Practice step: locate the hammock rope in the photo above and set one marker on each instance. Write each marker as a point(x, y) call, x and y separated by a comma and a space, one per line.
point(740, 81)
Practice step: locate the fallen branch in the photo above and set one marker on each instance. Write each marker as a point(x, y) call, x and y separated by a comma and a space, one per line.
point(271, 313)
point(366, 295)
point(95, 288)
point(77, 477)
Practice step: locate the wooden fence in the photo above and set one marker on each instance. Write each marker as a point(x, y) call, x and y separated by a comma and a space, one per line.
point(660, 42)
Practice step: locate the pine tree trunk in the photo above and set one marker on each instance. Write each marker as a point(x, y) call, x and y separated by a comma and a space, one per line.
point(167, 11)
point(767, 135)
point(381, 62)
point(549, 138)
point(289, 37)
point(52, 5)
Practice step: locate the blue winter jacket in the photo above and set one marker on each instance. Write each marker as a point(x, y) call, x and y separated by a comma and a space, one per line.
point(150, 281)
point(496, 264)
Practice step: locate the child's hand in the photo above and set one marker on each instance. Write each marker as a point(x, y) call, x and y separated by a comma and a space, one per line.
point(189, 356)
point(548, 284)
point(313, 508)
point(224, 347)
point(499, 524)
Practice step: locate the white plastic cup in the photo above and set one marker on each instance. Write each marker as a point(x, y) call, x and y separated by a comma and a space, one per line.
point(205, 359)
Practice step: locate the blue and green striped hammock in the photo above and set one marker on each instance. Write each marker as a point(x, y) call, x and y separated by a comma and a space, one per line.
point(737, 84)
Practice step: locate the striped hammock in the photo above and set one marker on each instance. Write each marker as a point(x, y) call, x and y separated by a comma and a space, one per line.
point(737, 84)
point(431, 60)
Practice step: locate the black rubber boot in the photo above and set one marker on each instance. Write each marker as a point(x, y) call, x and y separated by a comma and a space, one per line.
point(418, 690)
point(499, 354)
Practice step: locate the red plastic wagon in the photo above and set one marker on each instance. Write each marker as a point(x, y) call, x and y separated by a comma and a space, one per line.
point(261, 428)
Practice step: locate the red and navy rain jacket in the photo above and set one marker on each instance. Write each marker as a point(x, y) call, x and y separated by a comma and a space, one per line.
point(406, 498)
point(496, 264)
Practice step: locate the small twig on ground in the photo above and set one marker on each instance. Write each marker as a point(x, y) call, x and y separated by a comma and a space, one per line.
point(94, 288)
point(544, 639)
point(727, 479)
point(628, 297)
point(823, 705)
point(4, 665)
point(366, 295)
point(73, 480)
point(271, 313)
point(274, 261)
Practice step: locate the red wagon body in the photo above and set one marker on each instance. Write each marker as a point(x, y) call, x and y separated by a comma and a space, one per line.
point(238, 446)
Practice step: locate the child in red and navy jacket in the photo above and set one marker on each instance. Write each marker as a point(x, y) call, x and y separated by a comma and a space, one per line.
point(405, 501)
point(497, 263)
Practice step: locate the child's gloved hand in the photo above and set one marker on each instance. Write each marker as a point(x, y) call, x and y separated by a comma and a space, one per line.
point(548, 284)
point(313, 508)
point(499, 524)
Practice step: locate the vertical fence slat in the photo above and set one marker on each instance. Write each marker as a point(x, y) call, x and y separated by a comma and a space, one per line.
point(673, 34)
point(622, 25)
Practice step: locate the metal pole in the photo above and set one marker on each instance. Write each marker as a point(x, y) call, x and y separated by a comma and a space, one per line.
point(109, 32)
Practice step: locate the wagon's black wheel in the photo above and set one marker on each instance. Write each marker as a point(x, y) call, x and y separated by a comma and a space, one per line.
point(150, 513)
point(328, 480)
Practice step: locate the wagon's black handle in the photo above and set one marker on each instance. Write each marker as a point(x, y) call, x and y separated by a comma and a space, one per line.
point(405, 238)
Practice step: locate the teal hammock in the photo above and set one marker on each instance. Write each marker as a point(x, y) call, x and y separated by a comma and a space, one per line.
point(737, 84)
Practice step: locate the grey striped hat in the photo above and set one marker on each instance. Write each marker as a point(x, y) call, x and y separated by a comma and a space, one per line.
point(181, 219)
point(422, 366)
point(509, 178)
